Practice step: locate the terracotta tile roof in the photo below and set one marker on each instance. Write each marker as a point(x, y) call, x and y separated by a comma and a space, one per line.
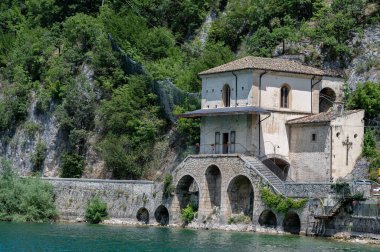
point(269, 64)
point(321, 117)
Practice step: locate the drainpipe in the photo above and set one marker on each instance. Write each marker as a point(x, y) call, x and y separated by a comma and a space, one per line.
point(311, 95)
point(331, 152)
point(235, 88)
point(260, 132)
point(261, 75)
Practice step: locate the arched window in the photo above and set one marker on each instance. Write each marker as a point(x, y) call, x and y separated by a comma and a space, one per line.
point(226, 95)
point(284, 102)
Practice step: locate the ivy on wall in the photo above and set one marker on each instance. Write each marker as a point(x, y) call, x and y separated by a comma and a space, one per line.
point(280, 203)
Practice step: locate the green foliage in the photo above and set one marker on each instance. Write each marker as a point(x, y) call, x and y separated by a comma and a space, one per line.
point(278, 202)
point(72, 165)
point(239, 218)
point(24, 199)
point(341, 188)
point(188, 214)
point(96, 210)
point(38, 156)
point(359, 196)
point(168, 186)
point(366, 96)
point(31, 128)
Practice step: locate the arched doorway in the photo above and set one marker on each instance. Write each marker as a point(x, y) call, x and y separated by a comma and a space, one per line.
point(143, 215)
point(327, 98)
point(214, 185)
point(240, 195)
point(268, 219)
point(278, 166)
point(292, 223)
point(187, 191)
point(162, 215)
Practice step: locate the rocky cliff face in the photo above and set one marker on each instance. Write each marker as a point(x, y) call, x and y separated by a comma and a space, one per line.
point(366, 65)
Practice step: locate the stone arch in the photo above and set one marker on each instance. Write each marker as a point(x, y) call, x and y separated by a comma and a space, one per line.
point(226, 95)
point(214, 185)
point(268, 219)
point(143, 215)
point(187, 191)
point(292, 223)
point(327, 98)
point(240, 195)
point(278, 166)
point(162, 215)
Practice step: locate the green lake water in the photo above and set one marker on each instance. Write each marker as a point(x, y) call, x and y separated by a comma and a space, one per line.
point(83, 237)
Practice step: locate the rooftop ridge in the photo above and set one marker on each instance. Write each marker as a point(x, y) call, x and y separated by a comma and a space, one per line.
point(268, 64)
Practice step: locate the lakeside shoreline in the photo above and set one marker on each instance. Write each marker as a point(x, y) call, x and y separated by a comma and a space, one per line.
point(349, 237)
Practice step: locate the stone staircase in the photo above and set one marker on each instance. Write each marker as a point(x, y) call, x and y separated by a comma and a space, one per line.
point(261, 169)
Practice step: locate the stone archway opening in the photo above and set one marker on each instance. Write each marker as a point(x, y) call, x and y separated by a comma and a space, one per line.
point(327, 98)
point(278, 166)
point(162, 215)
point(214, 185)
point(143, 215)
point(187, 191)
point(240, 195)
point(268, 219)
point(292, 223)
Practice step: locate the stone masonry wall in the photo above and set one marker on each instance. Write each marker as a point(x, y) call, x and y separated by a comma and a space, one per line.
point(124, 198)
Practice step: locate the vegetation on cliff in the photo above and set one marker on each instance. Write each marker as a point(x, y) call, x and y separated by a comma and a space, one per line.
point(24, 199)
point(94, 65)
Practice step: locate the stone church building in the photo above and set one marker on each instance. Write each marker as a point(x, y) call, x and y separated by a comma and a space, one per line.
point(286, 114)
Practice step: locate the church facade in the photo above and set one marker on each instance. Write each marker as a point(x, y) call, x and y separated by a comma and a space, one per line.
point(284, 113)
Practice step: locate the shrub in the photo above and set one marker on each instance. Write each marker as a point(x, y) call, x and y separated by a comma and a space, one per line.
point(239, 218)
point(341, 188)
point(279, 203)
point(72, 165)
point(38, 156)
point(96, 210)
point(24, 199)
point(168, 186)
point(188, 214)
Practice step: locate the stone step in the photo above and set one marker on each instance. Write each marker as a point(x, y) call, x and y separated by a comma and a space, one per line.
point(265, 172)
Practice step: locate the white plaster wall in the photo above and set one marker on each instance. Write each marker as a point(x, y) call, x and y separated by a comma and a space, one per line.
point(274, 132)
point(212, 87)
point(346, 126)
point(241, 124)
point(300, 95)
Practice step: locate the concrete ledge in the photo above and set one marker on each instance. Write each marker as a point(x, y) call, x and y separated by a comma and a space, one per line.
point(99, 180)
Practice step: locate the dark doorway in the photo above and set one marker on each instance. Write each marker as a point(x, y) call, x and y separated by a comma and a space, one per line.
point(225, 143)
point(187, 192)
point(214, 185)
point(162, 215)
point(268, 219)
point(292, 223)
point(143, 215)
point(240, 195)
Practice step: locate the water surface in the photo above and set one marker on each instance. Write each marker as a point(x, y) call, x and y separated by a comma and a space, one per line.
point(85, 237)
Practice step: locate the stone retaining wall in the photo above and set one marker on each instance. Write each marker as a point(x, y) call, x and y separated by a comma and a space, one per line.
point(123, 197)
point(304, 190)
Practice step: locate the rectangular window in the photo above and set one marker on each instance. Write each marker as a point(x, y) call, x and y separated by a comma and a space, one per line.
point(313, 137)
point(217, 142)
point(232, 140)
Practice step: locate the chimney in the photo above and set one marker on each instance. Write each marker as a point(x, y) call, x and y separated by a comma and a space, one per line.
point(338, 108)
